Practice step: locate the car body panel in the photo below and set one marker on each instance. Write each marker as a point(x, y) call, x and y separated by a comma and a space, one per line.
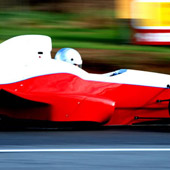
point(41, 88)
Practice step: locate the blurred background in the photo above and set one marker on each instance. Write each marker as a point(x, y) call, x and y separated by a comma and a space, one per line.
point(109, 34)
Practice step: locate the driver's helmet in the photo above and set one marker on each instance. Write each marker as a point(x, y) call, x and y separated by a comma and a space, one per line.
point(69, 55)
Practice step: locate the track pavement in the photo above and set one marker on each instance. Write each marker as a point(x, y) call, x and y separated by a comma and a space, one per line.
point(106, 148)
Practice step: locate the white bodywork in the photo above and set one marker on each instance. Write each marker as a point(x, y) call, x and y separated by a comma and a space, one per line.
point(25, 49)
point(19, 60)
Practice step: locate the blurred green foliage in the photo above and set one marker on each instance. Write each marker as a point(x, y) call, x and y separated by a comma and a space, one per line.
point(61, 27)
point(90, 29)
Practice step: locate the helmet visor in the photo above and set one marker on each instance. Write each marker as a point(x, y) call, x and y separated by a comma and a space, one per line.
point(78, 65)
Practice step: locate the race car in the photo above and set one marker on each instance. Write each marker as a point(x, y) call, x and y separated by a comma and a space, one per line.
point(33, 86)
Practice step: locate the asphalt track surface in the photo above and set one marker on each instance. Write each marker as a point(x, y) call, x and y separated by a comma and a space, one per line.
point(107, 148)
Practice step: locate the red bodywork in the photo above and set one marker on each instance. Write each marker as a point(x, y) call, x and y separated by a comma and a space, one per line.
point(65, 97)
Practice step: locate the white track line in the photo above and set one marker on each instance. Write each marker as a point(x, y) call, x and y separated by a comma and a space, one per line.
point(89, 150)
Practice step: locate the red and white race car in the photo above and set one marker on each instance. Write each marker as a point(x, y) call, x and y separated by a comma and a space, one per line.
point(33, 86)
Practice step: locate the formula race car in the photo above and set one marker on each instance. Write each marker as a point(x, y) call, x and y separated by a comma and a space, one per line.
point(33, 86)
